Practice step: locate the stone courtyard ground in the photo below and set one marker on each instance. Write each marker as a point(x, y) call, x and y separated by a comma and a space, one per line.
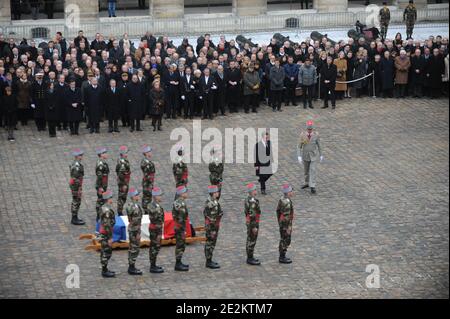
point(382, 199)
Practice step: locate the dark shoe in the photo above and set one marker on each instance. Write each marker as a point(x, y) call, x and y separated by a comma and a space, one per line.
point(131, 129)
point(159, 128)
point(305, 186)
point(76, 221)
point(110, 130)
point(116, 130)
point(304, 106)
point(156, 269)
point(310, 106)
point(211, 264)
point(254, 262)
point(107, 273)
point(179, 266)
point(284, 260)
point(154, 128)
point(313, 190)
point(333, 107)
point(134, 271)
point(254, 111)
point(246, 111)
point(91, 131)
point(263, 191)
point(294, 104)
point(324, 107)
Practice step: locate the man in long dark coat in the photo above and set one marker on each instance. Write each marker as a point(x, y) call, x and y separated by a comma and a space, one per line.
point(434, 73)
point(93, 103)
point(38, 91)
point(136, 96)
point(263, 161)
point(416, 74)
point(112, 105)
point(74, 109)
point(60, 92)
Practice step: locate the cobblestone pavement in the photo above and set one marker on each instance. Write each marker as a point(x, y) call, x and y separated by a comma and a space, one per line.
point(382, 199)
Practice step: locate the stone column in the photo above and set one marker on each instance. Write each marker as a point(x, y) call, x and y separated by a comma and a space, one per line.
point(166, 8)
point(331, 5)
point(249, 7)
point(84, 10)
point(402, 4)
point(5, 11)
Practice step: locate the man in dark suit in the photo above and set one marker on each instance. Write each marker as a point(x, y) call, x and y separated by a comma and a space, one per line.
point(173, 91)
point(60, 93)
point(208, 86)
point(234, 78)
point(263, 160)
point(329, 75)
point(113, 106)
point(93, 103)
point(221, 82)
point(187, 89)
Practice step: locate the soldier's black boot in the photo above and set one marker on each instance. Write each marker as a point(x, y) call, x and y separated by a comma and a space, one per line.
point(305, 186)
point(76, 221)
point(133, 270)
point(253, 261)
point(283, 259)
point(313, 190)
point(107, 273)
point(156, 269)
point(179, 266)
point(211, 264)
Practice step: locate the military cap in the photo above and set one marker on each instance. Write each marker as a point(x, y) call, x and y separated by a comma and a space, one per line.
point(146, 149)
point(77, 152)
point(310, 124)
point(181, 189)
point(213, 189)
point(123, 149)
point(156, 191)
point(133, 192)
point(124, 74)
point(100, 150)
point(286, 188)
point(251, 187)
point(89, 73)
point(107, 195)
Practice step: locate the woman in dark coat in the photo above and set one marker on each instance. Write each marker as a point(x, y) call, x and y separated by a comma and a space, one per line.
point(157, 98)
point(112, 105)
point(387, 74)
point(73, 107)
point(136, 97)
point(9, 105)
point(51, 110)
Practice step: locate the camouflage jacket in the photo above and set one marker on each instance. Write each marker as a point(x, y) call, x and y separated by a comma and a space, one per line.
point(134, 213)
point(216, 172)
point(285, 208)
point(385, 15)
point(107, 221)
point(180, 172)
point(148, 171)
point(76, 174)
point(156, 214)
point(212, 209)
point(252, 210)
point(410, 14)
point(179, 212)
point(123, 171)
point(102, 172)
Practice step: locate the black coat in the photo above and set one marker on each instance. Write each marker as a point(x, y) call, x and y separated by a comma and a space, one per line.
point(9, 104)
point(74, 114)
point(329, 73)
point(434, 71)
point(263, 158)
point(136, 99)
point(51, 106)
point(185, 85)
point(94, 103)
point(112, 103)
point(38, 98)
point(387, 73)
point(417, 63)
point(60, 92)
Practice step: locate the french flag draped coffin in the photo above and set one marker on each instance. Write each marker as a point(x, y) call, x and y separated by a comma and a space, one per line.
point(120, 231)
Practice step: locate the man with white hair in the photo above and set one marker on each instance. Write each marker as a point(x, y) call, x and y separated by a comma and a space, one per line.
point(402, 65)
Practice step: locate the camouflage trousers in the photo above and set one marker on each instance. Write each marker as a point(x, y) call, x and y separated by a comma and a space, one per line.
point(134, 238)
point(99, 203)
point(384, 30)
point(146, 200)
point(76, 200)
point(123, 192)
point(409, 29)
point(285, 223)
point(155, 241)
point(252, 236)
point(106, 250)
point(211, 232)
point(180, 236)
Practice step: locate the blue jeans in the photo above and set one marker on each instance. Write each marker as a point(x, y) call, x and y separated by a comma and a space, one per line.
point(112, 8)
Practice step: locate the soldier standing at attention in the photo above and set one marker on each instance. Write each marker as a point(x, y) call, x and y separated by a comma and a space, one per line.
point(410, 17)
point(148, 177)
point(309, 152)
point(252, 213)
point(102, 172)
point(76, 185)
point(385, 18)
point(123, 172)
point(285, 215)
point(216, 171)
point(180, 170)
point(134, 213)
point(107, 222)
point(213, 214)
point(180, 215)
point(156, 214)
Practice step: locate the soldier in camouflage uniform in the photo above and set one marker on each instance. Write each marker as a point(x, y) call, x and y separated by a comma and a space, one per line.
point(180, 170)
point(213, 214)
point(180, 215)
point(385, 18)
point(148, 177)
point(410, 17)
point(123, 172)
point(285, 215)
point(102, 172)
point(134, 213)
point(156, 214)
point(252, 213)
point(107, 222)
point(76, 185)
point(216, 171)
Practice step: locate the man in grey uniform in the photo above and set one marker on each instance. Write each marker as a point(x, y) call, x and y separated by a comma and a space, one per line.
point(309, 152)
